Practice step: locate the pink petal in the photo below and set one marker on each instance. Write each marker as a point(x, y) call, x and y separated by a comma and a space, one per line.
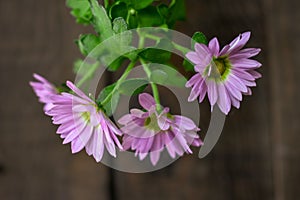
point(146, 101)
point(162, 123)
point(194, 57)
point(78, 91)
point(239, 42)
point(125, 119)
point(184, 122)
point(236, 82)
point(245, 63)
point(214, 46)
point(154, 157)
point(195, 91)
point(212, 92)
point(223, 100)
point(245, 53)
point(193, 80)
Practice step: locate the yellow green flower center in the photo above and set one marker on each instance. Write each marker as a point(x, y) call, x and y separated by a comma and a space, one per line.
point(219, 68)
point(151, 123)
point(86, 116)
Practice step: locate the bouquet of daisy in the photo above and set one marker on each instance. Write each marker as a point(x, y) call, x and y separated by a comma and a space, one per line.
point(137, 39)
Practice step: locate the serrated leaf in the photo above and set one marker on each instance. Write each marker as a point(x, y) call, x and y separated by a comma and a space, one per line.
point(119, 25)
point(187, 65)
point(123, 37)
point(133, 86)
point(101, 21)
point(199, 37)
point(80, 10)
point(87, 43)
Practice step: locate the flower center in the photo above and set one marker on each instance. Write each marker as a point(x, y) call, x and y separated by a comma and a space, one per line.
point(220, 64)
point(86, 116)
point(151, 123)
point(219, 68)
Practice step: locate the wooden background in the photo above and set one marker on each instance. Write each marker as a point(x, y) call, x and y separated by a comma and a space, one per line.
point(257, 156)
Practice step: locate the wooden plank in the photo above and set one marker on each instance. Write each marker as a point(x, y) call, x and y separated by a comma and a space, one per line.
point(240, 166)
point(283, 40)
point(37, 36)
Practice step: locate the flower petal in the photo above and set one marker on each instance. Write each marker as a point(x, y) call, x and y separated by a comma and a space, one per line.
point(146, 101)
point(214, 46)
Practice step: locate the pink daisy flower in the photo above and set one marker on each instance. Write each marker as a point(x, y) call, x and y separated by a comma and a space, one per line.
point(150, 132)
point(83, 124)
point(223, 75)
point(44, 90)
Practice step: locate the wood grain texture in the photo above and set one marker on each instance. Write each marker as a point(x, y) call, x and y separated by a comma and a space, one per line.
point(257, 156)
point(240, 166)
point(284, 50)
point(37, 36)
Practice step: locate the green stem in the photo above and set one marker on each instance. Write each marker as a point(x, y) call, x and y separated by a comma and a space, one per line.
point(183, 49)
point(153, 85)
point(152, 37)
point(148, 71)
point(119, 82)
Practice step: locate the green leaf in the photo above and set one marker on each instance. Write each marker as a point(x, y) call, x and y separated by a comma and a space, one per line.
point(119, 25)
point(177, 11)
point(133, 86)
point(115, 65)
point(166, 75)
point(138, 4)
point(105, 92)
point(160, 54)
point(155, 55)
point(118, 9)
point(80, 10)
point(111, 105)
point(63, 88)
point(150, 17)
point(199, 37)
point(187, 65)
point(101, 21)
point(87, 43)
point(158, 76)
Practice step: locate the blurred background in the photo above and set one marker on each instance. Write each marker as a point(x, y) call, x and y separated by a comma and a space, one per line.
point(257, 156)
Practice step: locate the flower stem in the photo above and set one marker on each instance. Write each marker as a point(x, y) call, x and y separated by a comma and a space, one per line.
point(153, 85)
point(119, 82)
point(148, 71)
point(183, 49)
